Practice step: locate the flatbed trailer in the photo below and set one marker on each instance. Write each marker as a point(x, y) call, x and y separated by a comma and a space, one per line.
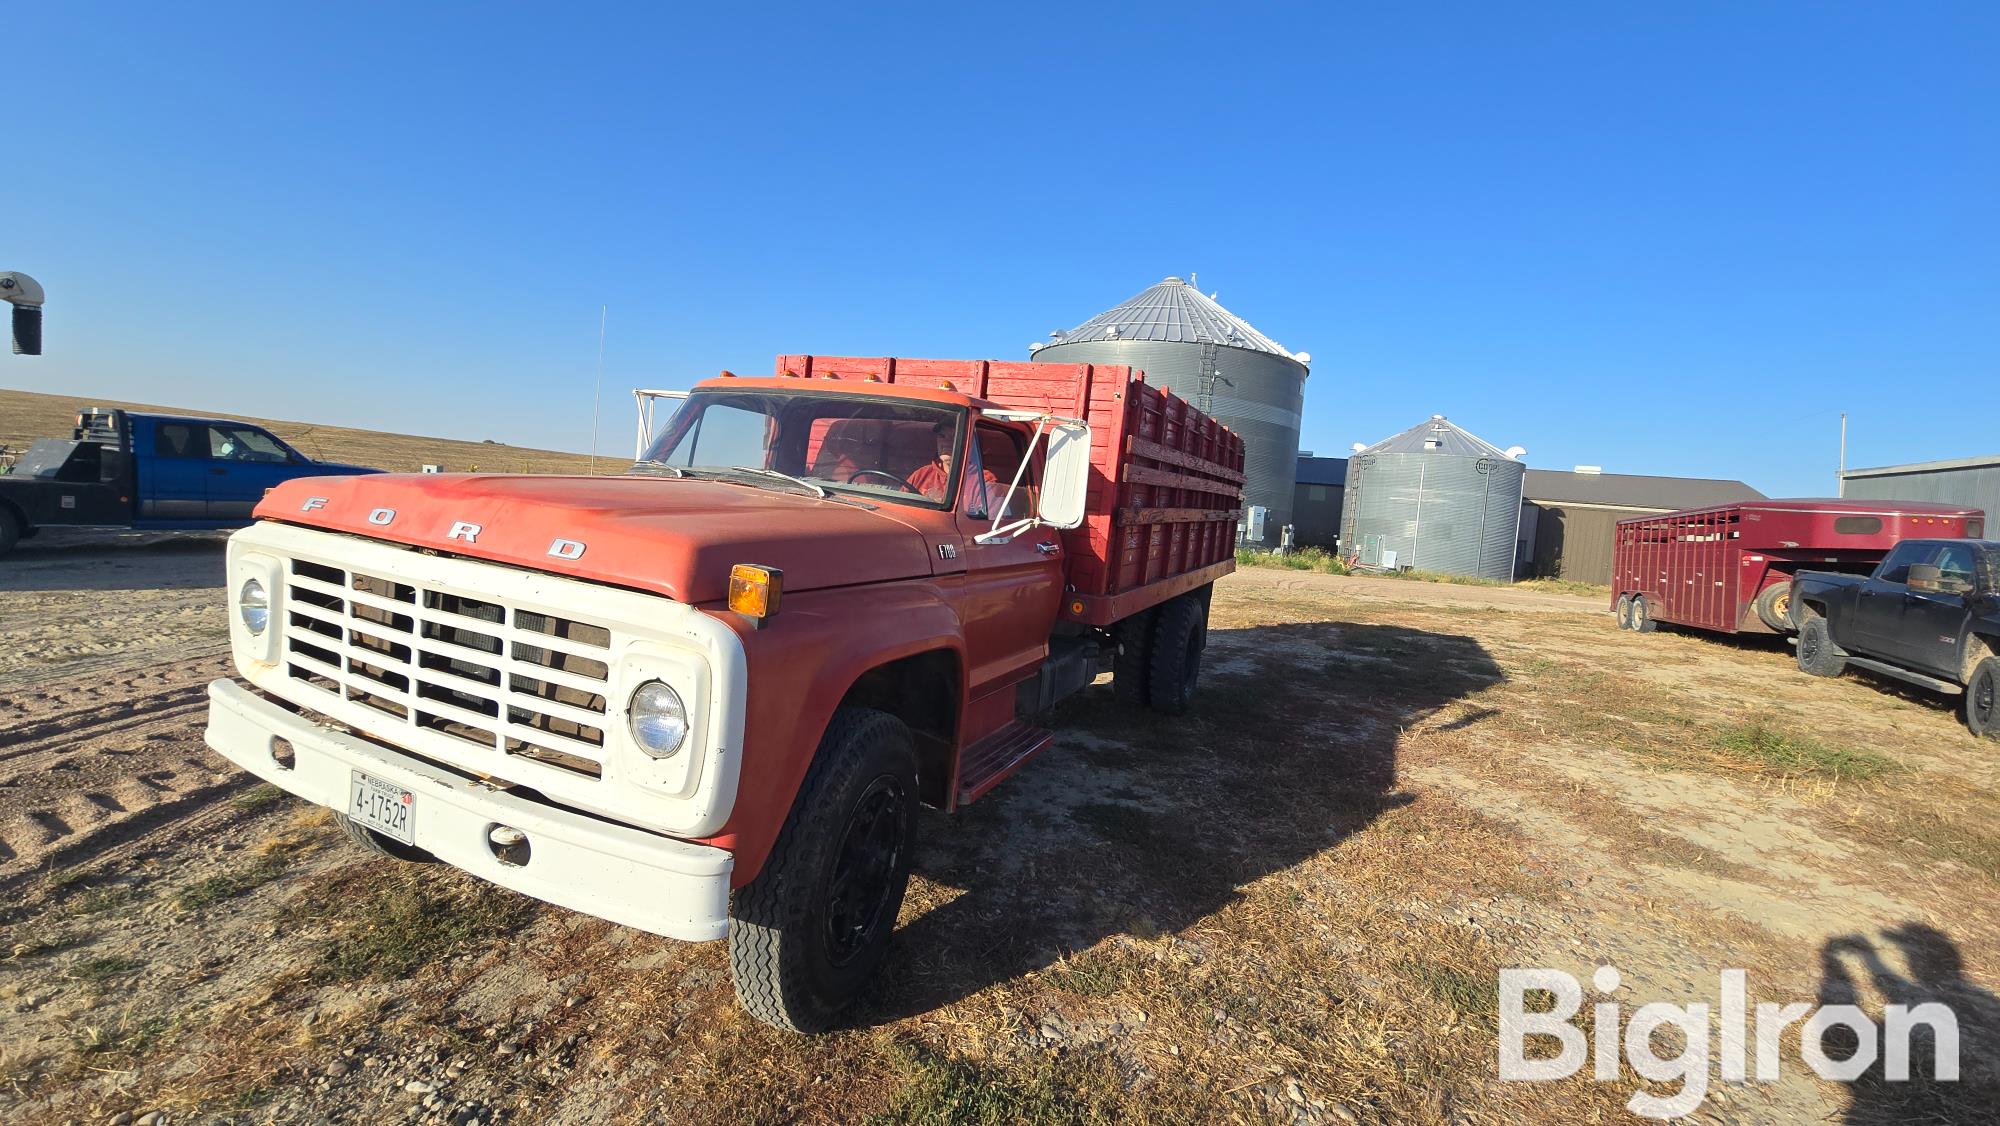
point(1728, 568)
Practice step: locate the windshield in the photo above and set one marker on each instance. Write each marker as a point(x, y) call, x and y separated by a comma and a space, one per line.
point(883, 449)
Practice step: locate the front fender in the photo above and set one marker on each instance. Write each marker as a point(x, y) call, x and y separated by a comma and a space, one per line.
point(800, 666)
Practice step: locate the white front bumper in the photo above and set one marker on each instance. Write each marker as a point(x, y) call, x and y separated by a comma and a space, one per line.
point(658, 884)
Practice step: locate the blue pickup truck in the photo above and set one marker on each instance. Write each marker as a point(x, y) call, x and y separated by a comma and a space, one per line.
point(120, 469)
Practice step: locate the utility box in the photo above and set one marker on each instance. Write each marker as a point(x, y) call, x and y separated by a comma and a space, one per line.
point(1253, 523)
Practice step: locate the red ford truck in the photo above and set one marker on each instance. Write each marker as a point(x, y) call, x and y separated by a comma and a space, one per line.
point(703, 698)
point(1729, 568)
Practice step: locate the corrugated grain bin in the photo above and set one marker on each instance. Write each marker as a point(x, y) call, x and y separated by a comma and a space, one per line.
point(1187, 343)
point(1434, 498)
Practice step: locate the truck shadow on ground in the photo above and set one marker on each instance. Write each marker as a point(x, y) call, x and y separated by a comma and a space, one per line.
point(1853, 968)
point(1147, 824)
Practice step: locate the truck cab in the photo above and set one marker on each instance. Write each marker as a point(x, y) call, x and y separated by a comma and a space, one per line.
point(705, 697)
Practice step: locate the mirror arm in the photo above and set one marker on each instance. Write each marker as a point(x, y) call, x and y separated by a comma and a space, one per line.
point(1013, 486)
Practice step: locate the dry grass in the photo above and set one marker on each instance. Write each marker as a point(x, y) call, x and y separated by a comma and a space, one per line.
point(26, 415)
point(1290, 905)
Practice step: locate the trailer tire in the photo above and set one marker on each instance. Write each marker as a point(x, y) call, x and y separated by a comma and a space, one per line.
point(11, 528)
point(1642, 615)
point(795, 961)
point(380, 845)
point(1774, 606)
point(1129, 669)
point(1624, 611)
point(1178, 639)
point(1818, 655)
point(1982, 699)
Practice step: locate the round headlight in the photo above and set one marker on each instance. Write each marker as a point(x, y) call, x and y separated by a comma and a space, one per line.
point(255, 606)
point(658, 719)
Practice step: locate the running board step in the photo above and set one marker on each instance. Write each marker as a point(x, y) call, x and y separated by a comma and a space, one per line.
point(993, 758)
point(1886, 669)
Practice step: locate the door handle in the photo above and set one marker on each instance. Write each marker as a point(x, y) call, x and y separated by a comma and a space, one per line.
point(218, 470)
point(1048, 548)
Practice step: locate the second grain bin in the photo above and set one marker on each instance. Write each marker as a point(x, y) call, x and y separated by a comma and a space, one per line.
point(1434, 498)
point(1207, 355)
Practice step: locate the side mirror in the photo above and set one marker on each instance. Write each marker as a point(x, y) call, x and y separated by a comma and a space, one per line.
point(27, 330)
point(25, 295)
point(1923, 578)
point(1065, 475)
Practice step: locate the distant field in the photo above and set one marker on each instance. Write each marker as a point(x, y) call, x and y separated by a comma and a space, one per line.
point(26, 415)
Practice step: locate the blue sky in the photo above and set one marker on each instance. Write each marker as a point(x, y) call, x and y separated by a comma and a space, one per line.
point(1657, 238)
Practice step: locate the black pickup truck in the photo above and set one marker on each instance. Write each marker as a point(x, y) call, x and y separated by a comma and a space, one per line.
point(1929, 615)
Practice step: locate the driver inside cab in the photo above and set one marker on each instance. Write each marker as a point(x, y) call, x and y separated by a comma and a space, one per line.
point(933, 477)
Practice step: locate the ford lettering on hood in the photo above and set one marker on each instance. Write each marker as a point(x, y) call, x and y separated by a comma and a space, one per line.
point(676, 537)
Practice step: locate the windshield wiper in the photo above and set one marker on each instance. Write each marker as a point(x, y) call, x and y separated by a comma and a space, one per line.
point(799, 481)
point(656, 468)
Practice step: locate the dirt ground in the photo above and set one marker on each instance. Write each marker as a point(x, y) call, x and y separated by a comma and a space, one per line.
point(1290, 907)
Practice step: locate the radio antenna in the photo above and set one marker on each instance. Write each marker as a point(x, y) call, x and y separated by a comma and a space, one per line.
point(597, 392)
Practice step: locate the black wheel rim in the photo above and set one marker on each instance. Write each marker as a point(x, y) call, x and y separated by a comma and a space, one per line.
point(864, 869)
point(1984, 698)
point(1809, 646)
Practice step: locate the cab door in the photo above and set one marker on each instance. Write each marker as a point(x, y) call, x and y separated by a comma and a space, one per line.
point(1012, 588)
point(1878, 605)
point(1934, 620)
point(173, 481)
point(244, 463)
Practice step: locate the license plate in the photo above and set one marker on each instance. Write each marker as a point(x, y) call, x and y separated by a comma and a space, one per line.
point(384, 807)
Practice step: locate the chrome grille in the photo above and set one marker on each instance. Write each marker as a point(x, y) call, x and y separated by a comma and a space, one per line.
point(488, 675)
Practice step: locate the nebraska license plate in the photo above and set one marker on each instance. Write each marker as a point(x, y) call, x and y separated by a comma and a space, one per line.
point(386, 808)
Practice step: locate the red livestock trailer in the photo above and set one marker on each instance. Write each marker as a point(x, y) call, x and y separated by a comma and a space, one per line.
point(1729, 567)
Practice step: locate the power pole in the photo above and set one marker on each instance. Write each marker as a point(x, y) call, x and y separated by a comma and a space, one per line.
point(1840, 478)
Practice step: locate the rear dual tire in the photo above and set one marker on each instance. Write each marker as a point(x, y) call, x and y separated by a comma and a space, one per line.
point(1133, 666)
point(1178, 639)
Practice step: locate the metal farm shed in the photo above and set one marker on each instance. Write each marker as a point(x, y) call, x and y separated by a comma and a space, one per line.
point(1209, 356)
point(1973, 481)
point(1434, 498)
point(1569, 520)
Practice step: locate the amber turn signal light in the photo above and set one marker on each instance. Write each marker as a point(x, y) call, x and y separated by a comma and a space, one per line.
point(754, 591)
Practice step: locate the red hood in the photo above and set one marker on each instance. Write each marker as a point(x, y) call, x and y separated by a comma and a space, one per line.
point(676, 537)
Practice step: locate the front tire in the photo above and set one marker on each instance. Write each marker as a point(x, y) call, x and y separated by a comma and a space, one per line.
point(811, 930)
point(1774, 606)
point(1982, 699)
point(1818, 655)
point(1624, 611)
point(380, 845)
point(1178, 639)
